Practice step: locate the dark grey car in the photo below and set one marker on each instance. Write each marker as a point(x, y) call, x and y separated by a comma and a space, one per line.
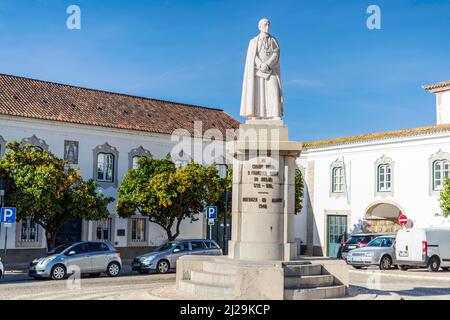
point(165, 257)
point(86, 257)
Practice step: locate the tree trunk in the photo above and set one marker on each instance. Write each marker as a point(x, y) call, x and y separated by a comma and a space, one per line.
point(178, 228)
point(50, 236)
point(170, 236)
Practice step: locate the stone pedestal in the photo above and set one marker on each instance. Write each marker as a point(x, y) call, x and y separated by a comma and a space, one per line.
point(262, 248)
point(263, 192)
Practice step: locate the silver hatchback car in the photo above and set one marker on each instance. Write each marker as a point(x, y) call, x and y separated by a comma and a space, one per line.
point(380, 252)
point(165, 257)
point(90, 257)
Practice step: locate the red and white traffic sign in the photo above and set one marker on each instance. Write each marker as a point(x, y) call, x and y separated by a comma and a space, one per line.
point(403, 220)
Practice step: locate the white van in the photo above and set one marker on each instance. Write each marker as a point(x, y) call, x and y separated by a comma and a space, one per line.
point(423, 247)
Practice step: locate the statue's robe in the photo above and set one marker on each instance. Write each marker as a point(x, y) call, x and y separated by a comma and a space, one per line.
point(261, 92)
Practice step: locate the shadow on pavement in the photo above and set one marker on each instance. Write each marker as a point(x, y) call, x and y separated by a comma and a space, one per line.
point(413, 292)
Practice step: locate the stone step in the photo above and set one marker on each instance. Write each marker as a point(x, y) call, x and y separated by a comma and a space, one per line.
point(316, 293)
point(219, 268)
point(303, 270)
point(308, 281)
point(205, 290)
point(216, 278)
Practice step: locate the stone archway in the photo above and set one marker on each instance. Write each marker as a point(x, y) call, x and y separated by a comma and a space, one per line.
point(382, 217)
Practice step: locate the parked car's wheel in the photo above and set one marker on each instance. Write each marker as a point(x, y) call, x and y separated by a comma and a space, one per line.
point(356, 267)
point(403, 268)
point(434, 264)
point(58, 272)
point(113, 269)
point(445, 268)
point(163, 266)
point(385, 262)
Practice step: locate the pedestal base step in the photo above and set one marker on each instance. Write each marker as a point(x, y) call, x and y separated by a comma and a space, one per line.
point(202, 289)
point(303, 270)
point(226, 280)
point(219, 268)
point(217, 277)
point(316, 293)
point(305, 282)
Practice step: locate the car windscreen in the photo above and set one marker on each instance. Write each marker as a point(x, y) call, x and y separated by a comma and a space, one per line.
point(165, 247)
point(381, 242)
point(358, 239)
point(59, 249)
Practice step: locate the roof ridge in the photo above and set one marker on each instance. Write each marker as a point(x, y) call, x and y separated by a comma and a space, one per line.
point(410, 132)
point(111, 92)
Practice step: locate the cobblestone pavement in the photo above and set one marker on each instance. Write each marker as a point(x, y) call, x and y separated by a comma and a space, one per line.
point(364, 285)
point(408, 285)
point(127, 286)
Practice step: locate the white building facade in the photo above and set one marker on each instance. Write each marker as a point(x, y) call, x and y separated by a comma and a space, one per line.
point(364, 183)
point(104, 151)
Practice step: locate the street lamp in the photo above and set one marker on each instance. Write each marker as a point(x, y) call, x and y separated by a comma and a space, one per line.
point(222, 169)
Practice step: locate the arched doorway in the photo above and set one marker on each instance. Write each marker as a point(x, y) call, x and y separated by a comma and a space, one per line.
point(382, 217)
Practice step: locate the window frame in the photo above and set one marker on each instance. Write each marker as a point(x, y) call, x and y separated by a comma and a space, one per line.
point(136, 242)
point(106, 149)
point(106, 157)
point(442, 157)
point(2, 146)
point(35, 142)
point(389, 165)
point(19, 243)
point(137, 152)
point(338, 180)
point(444, 174)
point(387, 178)
point(28, 222)
point(334, 167)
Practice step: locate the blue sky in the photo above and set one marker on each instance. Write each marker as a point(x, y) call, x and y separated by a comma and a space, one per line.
point(340, 78)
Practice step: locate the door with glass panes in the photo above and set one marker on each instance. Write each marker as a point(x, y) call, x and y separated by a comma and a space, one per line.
point(336, 232)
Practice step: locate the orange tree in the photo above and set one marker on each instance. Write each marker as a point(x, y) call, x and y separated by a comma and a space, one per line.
point(44, 188)
point(444, 200)
point(168, 195)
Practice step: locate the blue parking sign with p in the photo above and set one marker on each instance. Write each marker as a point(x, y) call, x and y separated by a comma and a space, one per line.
point(8, 215)
point(211, 212)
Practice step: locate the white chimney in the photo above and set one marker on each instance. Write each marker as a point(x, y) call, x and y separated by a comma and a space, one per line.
point(442, 91)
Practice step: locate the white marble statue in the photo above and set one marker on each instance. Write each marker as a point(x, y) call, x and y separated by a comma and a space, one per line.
point(262, 97)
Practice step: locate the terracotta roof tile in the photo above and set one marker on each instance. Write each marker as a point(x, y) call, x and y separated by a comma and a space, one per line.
point(45, 100)
point(377, 136)
point(440, 85)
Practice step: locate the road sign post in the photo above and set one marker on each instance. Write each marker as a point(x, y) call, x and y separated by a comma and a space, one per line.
point(403, 220)
point(8, 218)
point(211, 215)
point(211, 222)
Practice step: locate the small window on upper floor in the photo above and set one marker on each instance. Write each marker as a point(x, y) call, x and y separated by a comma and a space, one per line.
point(338, 180)
point(384, 177)
point(105, 167)
point(136, 162)
point(440, 174)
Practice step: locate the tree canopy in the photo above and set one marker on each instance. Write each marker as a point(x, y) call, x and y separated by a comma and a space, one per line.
point(445, 199)
point(168, 195)
point(44, 188)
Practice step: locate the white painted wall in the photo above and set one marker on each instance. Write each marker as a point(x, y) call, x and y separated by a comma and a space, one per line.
point(411, 180)
point(443, 107)
point(89, 137)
